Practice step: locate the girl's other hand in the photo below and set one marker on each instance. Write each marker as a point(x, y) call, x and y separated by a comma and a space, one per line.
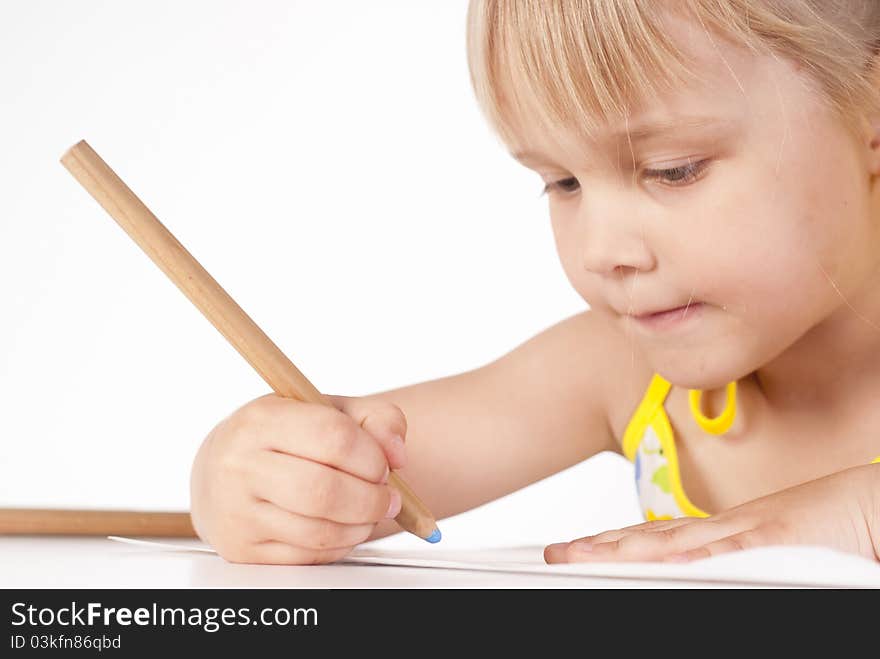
point(840, 511)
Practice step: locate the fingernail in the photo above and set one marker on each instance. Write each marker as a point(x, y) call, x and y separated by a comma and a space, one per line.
point(582, 546)
point(387, 471)
point(399, 449)
point(394, 506)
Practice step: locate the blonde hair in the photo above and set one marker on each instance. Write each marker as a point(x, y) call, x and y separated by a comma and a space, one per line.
point(581, 64)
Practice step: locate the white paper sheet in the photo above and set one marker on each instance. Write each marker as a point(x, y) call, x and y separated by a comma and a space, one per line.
point(781, 565)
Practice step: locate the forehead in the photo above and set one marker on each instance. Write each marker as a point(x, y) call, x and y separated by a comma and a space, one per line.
point(646, 129)
point(731, 86)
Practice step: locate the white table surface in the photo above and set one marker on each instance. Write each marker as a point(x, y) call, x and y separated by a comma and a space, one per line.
point(86, 562)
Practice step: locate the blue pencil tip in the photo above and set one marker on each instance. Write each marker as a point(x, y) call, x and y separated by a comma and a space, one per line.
point(434, 537)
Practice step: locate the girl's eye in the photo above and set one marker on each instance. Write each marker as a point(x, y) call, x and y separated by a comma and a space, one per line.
point(563, 185)
point(681, 175)
point(675, 176)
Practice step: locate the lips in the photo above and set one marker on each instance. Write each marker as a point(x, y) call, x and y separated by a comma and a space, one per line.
point(648, 314)
point(668, 320)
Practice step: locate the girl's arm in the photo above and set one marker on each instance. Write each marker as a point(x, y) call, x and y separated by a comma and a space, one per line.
point(839, 511)
point(478, 435)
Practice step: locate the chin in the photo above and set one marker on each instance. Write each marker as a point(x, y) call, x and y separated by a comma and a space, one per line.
point(700, 376)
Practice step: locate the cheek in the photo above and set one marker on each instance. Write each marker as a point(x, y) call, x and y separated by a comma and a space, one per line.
point(770, 265)
point(767, 245)
point(756, 254)
point(772, 284)
point(807, 216)
point(810, 237)
point(568, 250)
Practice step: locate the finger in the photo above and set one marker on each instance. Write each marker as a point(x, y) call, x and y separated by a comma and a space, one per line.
point(273, 552)
point(315, 490)
point(736, 542)
point(317, 432)
point(559, 552)
point(555, 553)
point(652, 545)
point(384, 420)
point(274, 523)
point(654, 525)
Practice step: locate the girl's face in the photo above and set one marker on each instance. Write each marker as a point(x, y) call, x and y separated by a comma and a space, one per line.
point(757, 210)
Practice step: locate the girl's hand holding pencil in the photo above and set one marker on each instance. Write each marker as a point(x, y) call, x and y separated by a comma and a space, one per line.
point(293, 477)
point(285, 481)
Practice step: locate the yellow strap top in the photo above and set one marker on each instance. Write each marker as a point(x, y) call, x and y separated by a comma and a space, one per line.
point(653, 400)
point(649, 443)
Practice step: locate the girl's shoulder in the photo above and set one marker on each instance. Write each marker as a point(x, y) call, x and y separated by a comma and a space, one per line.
point(583, 375)
point(628, 377)
point(614, 373)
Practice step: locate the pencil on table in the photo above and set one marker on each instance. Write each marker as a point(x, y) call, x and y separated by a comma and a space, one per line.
point(217, 306)
point(35, 521)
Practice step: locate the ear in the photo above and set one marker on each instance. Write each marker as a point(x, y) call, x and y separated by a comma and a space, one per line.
point(871, 123)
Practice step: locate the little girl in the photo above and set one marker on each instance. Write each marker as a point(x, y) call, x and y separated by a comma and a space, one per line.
point(711, 168)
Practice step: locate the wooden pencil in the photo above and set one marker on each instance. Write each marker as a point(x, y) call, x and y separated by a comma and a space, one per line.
point(36, 521)
point(219, 308)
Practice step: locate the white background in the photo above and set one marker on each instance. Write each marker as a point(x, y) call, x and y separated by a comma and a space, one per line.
point(328, 164)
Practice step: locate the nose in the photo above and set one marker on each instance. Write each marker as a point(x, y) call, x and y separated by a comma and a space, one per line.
point(612, 237)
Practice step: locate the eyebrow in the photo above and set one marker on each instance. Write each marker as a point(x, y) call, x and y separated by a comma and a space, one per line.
point(642, 131)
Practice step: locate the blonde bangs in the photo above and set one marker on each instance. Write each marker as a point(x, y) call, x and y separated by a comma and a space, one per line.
point(565, 68)
point(568, 66)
